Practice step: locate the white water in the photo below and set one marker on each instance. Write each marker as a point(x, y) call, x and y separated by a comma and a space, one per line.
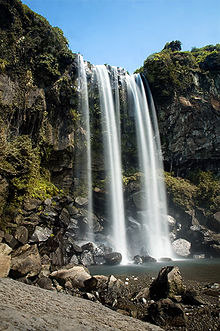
point(85, 122)
point(112, 161)
point(154, 233)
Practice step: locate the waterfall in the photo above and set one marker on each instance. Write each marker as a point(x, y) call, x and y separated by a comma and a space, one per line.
point(112, 160)
point(125, 103)
point(154, 232)
point(85, 123)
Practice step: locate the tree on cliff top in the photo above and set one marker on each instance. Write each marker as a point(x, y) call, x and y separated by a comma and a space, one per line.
point(173, 46)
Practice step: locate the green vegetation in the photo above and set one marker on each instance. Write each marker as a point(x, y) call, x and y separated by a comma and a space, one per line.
point(171, 70)
point(32, 44)
point(20, 164)
point(202, 190)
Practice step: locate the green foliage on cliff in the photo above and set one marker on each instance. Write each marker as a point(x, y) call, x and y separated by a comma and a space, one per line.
point(171, 70)
point(202, 190)
point(20, 164)
point(181, 191)
point(28, 41)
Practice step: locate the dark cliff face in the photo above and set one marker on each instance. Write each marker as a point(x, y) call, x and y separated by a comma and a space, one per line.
point(38, 101)
point(186, 90)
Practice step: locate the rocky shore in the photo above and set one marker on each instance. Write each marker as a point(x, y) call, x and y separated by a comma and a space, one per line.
point(165, 302)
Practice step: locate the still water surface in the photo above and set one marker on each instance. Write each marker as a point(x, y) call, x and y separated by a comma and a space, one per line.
point(206, 270)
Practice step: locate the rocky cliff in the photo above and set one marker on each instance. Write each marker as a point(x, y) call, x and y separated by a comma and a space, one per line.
point(40, 122)
point(186, 90)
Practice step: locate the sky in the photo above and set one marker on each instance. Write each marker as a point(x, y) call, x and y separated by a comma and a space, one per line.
point(124, 33)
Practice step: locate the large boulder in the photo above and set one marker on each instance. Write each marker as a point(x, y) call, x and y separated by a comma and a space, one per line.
point(113, 258)
point(110, 290)
point(78, 276)
point(181, 247)
point(165, 312)
point(168, 283)
point(21, 234)
point(25, 262)
point(40, 234)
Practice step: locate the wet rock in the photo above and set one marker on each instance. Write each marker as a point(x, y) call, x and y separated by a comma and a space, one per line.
point(147, 258)
point(113, 258)
point(166, 312)
point(171, 221)
point(138, 259)
point(25, 262)
point(88, 247)
point(181, 247)
point(5, 249)
point(5, 264)
point(168, 283)
point(21, 234)
point(165, 259)
point(40, 234)
point(137, 198)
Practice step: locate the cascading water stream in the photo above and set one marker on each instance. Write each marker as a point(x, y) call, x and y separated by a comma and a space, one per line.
point(151, 234)
point(112, 161)
point(85, 121)
point(154, 234)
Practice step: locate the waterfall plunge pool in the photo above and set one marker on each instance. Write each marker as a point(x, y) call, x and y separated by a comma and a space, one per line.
point(204, 270)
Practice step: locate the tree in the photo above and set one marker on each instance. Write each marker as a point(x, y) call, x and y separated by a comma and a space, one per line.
point(173, 46)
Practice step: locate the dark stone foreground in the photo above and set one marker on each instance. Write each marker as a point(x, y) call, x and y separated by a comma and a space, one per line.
point(24, 307)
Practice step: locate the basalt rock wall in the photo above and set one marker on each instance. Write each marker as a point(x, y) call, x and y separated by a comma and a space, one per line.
point(186, 90)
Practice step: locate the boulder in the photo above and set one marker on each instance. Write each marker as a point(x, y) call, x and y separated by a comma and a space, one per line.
point(11, 241)
point(113, 258)
point(5, 249)
point(74, 260)
point(88, 247)
point(143, 294)
point(40, 234)
point(111, 290)
point(31, 204)
point(166, 312)
point(21, 234)
point(192, 298)
point(5, 263)
point(214, 222)
point(86, 258)
point(181, 247)
point(168, 283)
point(65, 217)
point(77, 275)
point(147, 258)
point(25, 261)
point(45, 282)
point(138, 259)
point(81, 201)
